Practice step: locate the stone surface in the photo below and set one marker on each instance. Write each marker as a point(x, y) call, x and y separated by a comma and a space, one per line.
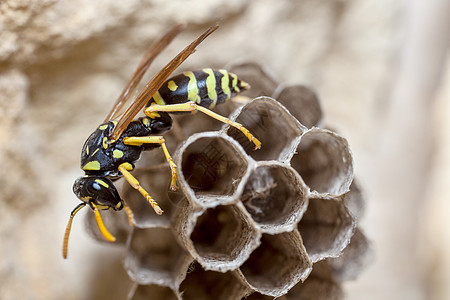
point(63, 63)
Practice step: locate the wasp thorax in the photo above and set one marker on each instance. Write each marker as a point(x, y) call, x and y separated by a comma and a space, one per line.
point(98, 190)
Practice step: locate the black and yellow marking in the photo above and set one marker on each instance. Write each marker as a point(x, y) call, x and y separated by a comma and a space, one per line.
point(91, 166)
point(112, 149)
point(124, 169)
point(206, 88)
point(140, 140)
point(191, 107)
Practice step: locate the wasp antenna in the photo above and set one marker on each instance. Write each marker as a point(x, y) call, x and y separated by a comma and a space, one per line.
point(69, 226)
point(108, 236)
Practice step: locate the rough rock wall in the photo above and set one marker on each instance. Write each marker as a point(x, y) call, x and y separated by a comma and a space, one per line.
point(62, 63)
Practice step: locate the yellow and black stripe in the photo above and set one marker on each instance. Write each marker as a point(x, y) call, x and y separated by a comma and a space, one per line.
point(205, 87)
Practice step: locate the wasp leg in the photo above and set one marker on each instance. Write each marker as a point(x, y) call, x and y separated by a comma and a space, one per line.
point(138, 141)
point(191, 106)
point(125, 168)
point(69, 226)
point(129, 213)
point(108, 236)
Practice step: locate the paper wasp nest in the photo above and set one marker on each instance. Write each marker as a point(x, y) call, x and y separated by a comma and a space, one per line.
point(276, 222)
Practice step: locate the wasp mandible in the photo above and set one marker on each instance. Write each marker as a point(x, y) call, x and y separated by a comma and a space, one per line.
point(110, 151)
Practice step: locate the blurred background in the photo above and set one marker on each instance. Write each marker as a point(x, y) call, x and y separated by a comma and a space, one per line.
point(381, 70)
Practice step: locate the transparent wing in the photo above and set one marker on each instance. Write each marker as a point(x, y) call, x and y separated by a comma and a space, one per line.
point(155, 83)
point(132, 84)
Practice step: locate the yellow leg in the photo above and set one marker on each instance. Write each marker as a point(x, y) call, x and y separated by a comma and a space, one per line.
point(108, 236)
point(191, 106)
point(129, 213)
point(139, 140)
point(124, 168)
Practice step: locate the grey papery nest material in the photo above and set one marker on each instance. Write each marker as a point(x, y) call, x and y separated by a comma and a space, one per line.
point(280, 221)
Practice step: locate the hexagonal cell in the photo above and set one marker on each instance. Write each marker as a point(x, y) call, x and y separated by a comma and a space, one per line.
point(151, 291)
point(156, 181)
point(302, 102)
point(277, 264)
point(275, 196)
point(354, 259)
point(354, 200)
point(258, 296)
point(154, 257)
point(262, 84)
point(324, 161)
point(326, 228)
point(278, 131)
point(320, 285)
point(223, 237)
point(116, 222)
point(212, 169)
point(202, 284)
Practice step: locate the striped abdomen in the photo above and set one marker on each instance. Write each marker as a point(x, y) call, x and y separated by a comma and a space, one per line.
point(205, 87)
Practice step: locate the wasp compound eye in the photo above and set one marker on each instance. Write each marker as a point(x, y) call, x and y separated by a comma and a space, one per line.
point(98, 190)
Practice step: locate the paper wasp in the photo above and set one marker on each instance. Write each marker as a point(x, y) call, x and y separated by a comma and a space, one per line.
point(111, 150)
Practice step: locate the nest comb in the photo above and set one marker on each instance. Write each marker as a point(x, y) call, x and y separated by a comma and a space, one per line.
point(277, 222)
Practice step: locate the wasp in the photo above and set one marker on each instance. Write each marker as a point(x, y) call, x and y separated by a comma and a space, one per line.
point(111, 150)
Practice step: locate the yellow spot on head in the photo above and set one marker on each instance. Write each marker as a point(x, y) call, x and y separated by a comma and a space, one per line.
point(146, 121)
point(117, 153)
point(92, 166)
point(103, 127)
point(103, 207)
point(172, 86)
point(99, 181)
point(118, 205)
point(85, 199)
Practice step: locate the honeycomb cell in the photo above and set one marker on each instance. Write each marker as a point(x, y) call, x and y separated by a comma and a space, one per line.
point(354, 200)
point(324, 161)
point(261, 83)
point(275, 196)
point(221, 238)
point(151, 291)
point(258, 296)
point(212, 169)
point(277, 264)
point(355, 258)
point(302, 102)
point(326, 228)
point(155, 257)
point(278, 131)
point(320, 285)
point(203, 284)
point(156, 181)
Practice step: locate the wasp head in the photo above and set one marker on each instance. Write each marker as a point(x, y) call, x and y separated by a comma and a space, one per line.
point(100, 194)
point(97, 191)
